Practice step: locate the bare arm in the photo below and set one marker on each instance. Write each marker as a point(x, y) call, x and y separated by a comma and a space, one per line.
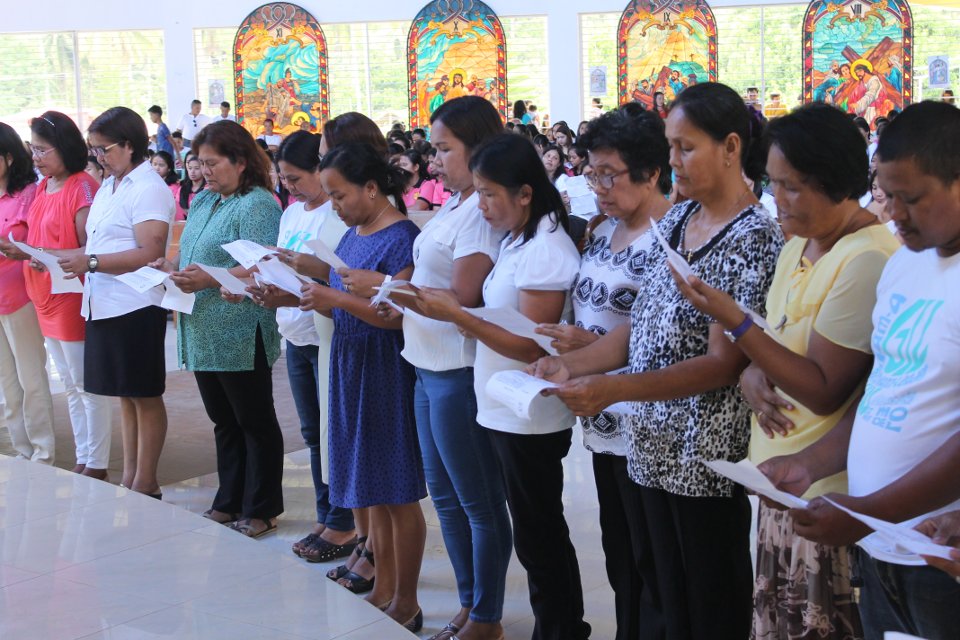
point(151, 238)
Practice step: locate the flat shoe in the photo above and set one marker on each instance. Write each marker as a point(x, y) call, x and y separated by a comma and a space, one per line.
point(324, 551)
point(246, 527)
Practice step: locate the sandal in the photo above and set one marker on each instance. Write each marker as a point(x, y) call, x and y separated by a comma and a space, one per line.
point(356, 583)
point(208, 514)
point(301, 544)
point(448, 632)
point(342, 570)
point(246, 527)
point(324, 551)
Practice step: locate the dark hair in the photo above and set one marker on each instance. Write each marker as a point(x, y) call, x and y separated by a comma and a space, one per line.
point(561, 127)
point(225, 104)
point(280, 189)
point(471, 119)
point(266, 120)
point(186, 185)
point(177, 134)
point(421, 147)
point(532, 131)
point(195, 101)
point(260, 142)
point(929, 133)
point(155, 109)
point(639, 139)
point(354, 127)
point(398, 138)
point(862, 124)
point(420, 131)
point(510, 125)
point(301, 149)
point(718, 111)
point(20, 168)
point(511, 162)
point(360, 163)
point(580, 126)
point(541, 141)
point(61, 132)
point(395, 149)
point(519, 109)
point(124, 125)
point(232, 141)
point(823, 144)
point(560, 170)
point(93, 159)
point(415, 158)
point(171, 177)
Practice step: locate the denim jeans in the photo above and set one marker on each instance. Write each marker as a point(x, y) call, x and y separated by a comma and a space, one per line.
point(918, 600)
point(466, 487)
point(302, 373)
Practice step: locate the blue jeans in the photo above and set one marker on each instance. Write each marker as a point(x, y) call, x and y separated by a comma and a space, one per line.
point(921, 601)
point(466, 487)
point(302, 373)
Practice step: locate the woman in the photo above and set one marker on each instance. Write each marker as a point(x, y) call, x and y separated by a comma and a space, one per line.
point(804, 376)
point(541, 143)
point(310, 217)
point(418, 195)
point(576, 159)
point(190, 186)
point(127, 228)
point(440, 193)
point(375, 462)
point(456, 251)
point(232, 347)
point(660, 105)
point(57, 220)
point(563, 137)
point(536, 265)
point(520, 112)
point(630, 162)
point(162, 163)
point(553, 159)
point(28, 407)
point(694, 528)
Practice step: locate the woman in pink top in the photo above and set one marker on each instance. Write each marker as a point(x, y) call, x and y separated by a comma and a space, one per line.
point(56, 220)
point(28, 408)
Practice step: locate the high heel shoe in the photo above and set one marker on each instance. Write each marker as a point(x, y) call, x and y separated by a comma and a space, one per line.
point(343, 570)
point(415, 623)
point(356, 583)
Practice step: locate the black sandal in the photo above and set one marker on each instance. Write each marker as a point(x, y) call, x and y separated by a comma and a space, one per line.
point(301, 544)
point(355, 583)
point(321, 550)
point(342, 570)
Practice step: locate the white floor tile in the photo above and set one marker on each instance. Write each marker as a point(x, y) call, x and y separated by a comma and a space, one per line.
point(179, 623)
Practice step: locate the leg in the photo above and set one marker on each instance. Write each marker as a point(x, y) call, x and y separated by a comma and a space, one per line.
point(78, 415)
point(98, 413)
point(151, 434)
point(533, 477)
point(231, 454)
point(380, 543)
point(128, 433)
point(409, 536)
point(931, 599)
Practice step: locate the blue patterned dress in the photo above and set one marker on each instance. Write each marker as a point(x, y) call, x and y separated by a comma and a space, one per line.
point(374, 452)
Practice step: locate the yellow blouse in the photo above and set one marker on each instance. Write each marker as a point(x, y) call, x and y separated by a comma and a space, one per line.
point(834, 297)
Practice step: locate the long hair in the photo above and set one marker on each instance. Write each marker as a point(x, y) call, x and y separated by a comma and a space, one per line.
point(171, 177)
point(232, 141)
point(20, 172)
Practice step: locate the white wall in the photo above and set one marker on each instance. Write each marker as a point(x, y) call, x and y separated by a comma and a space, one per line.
point(178, 18)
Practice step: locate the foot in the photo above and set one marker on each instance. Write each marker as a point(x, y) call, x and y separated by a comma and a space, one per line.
point(254, 527)
point(97, 474)
point(347, 567)
point(298, 546)
point(220, 517)
point(338, 537)
point(410, 620)
point(458, 622)
point(79, 468)
point(480, 631)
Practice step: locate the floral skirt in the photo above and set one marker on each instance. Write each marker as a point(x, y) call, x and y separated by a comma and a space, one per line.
point(802, 590)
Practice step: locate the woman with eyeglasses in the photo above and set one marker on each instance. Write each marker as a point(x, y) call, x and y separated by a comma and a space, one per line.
point(57, 220)
point(127, 228)
point(28, 407)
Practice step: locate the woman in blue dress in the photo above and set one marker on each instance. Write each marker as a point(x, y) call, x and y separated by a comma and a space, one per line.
point(375, 458)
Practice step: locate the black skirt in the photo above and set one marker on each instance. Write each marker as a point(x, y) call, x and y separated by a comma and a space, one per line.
point(124, 355)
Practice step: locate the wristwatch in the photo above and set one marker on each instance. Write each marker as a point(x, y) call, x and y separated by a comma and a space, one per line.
point(92, 263)
point(737, 333)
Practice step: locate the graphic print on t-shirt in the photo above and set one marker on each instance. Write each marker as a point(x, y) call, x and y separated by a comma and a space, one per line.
point(900, 342)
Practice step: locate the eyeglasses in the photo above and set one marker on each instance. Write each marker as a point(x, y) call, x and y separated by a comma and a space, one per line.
point(605, 181)
point(40, 152)
point(102, 151)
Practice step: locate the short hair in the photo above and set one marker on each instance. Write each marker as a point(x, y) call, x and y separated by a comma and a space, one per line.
point(64, 136)
point(360, 163)
point(862, 124)
point(266, 120)
point(718, 111)
point(177, 134)
point(232, 141)
point(824, 145)
point(225, 104)
point(419, 131)
point(301, 149)
point(20, 172)
point(749, 89)
point(353, 126)
point(471, 119)
point(155, 109)
point(532, 107)
point(195, 101)
point(123, 125)
point(639, 139)
point(929, 133)
point(511, 162)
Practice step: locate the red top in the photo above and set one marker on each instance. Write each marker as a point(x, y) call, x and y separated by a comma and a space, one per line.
point(13, 221)
point(52, 225)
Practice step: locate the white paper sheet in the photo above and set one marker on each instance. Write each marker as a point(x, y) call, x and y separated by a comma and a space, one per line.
point(517, 390)
point(577, 186)
point(226, 279)
point(280, 275)
point(326, 254)
point(175, 299)
point(747, 474)
point(674, 258)
point(904, 538)
point(59, 283)
point(143, 279)
point(514, 322)
point(384, 290)
point(246, 252)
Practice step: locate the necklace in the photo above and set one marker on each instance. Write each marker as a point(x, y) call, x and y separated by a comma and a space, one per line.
point(374, 221)
point(711, 228)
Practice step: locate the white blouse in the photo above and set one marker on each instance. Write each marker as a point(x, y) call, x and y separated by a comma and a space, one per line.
point(453, 233)
point(141, 196)
point(548, 262)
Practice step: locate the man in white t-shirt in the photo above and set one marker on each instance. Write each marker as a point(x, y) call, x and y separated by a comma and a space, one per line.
point(191, 123)
point(225, 113)
point(272, 139)
point(903, 458)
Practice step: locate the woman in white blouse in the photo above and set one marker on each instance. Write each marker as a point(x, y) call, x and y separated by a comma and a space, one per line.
point(533, 274)
point(127, 228)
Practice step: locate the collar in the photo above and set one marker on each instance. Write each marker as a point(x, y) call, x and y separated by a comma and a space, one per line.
point(141, 171)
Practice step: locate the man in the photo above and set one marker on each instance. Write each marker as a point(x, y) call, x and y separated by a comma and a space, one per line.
point(775, 108)
point(225, 112)
point(947, 96)
point(901, 445)
point(868, 96)
point(753, 97)
point(164, 141)
point(191, 123)
point(676, 84)
point(272, 139)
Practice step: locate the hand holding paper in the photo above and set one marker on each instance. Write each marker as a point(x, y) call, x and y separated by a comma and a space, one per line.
point(747, 474)
point(517, 390)
point(515, 322)
point(246, 252)
point(59, 283)
point(326, 254)
point(143, 279)
point(227, 280)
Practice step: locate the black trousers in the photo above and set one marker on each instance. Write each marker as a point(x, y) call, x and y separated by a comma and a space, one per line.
point(695, 564)
point(533, 475)
point(623, 537)
point(248, 438)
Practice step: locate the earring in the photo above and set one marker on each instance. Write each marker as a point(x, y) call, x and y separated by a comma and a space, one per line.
point(373, 196)
point(727, 164)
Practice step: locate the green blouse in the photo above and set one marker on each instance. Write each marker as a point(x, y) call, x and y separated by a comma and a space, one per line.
point(220, 335)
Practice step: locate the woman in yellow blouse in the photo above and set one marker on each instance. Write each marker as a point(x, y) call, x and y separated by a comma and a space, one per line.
point(811, 364)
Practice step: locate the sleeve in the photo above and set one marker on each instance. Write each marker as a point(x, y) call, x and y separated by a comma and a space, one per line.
point(81, 192)
point(477, 236)
point(260, 219)
point(550, 263)
point(749, 268)
point(153, 202)
point(846, 315)
point(398, 254)
point(425, 191)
